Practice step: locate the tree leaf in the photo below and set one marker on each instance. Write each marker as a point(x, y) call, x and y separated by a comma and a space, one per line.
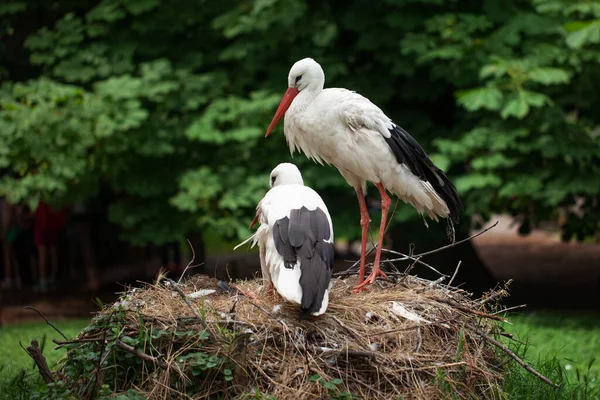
point(535, 99)
point(549, 75)
point(487, 97)
point(477, 181)
point(582, 32)
point(515, 107)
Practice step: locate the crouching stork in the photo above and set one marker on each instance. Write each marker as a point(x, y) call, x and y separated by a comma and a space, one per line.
point(295, 238)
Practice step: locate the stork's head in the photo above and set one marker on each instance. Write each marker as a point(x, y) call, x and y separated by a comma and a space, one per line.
point(305, 75)
point(285, 174)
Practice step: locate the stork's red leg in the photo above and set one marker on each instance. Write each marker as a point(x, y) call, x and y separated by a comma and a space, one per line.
point(385, 206)
point(364, 223)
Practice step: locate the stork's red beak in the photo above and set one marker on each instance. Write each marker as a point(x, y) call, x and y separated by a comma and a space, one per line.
point(288, 97)
point(255, 220)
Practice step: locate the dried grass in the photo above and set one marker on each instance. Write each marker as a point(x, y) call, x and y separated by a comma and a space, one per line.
point(412, 339)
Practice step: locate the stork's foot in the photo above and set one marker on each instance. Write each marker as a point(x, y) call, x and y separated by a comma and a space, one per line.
point(271, 290)
point(248, 294)
point(370, 280)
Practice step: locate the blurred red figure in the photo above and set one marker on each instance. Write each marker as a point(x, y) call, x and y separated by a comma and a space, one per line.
point(48, 223)
point(10, 231)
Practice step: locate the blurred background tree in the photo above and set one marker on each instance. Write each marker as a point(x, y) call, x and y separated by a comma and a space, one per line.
point(164, 104)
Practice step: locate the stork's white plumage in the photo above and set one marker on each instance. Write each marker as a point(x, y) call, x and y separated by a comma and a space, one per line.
point(295, 238)
point(345, 129)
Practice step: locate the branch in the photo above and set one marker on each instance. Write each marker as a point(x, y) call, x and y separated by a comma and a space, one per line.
point(350, 331)
point(407, 270)
point(97, 377)
point(188, 302)
point(454, 274)
point(62, 343)
point(405, 257)
point(35, 353)
point(349, 353)
point(492, 296)
point(417, 257)
point(510, 309)
point(140, 354)
point(366, 255)
point(511, 337)
point(408, 328)
point(46, 319)
point(431, 284)
point(427, 253)
point(190, 263)
point(471, 311)
point(234, 287)
point(515, 357)
point(457, 243)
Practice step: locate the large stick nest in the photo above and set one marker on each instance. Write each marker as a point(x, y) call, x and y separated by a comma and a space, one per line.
point(206, 339)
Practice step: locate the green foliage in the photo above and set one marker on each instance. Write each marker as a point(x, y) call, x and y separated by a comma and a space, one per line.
point(527, 137)
point(198, 363)
point(332, 386)
point(166, 104)
point(121, 368)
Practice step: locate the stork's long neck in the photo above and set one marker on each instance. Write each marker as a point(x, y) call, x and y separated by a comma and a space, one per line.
point(304, 98)
point(293, 117)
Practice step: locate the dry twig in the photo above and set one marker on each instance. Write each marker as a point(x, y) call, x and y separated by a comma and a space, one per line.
point(455, 273)
point(510, 309)
point(515, 357)
point(46, 319)
point(188, 302)
point(189, 265)
point(470, 310)
point(141, 354)
point(427, 253)
point(417, 257)
point(62, 343)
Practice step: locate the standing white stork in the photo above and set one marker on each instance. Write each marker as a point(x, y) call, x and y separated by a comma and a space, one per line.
point(295, 238)
point(343, 128)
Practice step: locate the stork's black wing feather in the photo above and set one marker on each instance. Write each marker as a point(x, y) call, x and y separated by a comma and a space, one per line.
point(314, 280)
point(410, 153)
point(282, 243)
point(305, 240)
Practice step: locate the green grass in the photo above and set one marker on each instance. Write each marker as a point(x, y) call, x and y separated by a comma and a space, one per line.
point(565, 347)
point(573, 339)
point(13, 358)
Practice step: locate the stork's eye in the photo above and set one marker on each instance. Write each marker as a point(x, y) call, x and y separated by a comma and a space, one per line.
point(298, 78)
point(273, 179)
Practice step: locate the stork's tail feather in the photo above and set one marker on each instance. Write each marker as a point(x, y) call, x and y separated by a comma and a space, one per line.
point(449, 194)
point(315, 279)
point(245, 241)
point(410, 153)
point(254, 238)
